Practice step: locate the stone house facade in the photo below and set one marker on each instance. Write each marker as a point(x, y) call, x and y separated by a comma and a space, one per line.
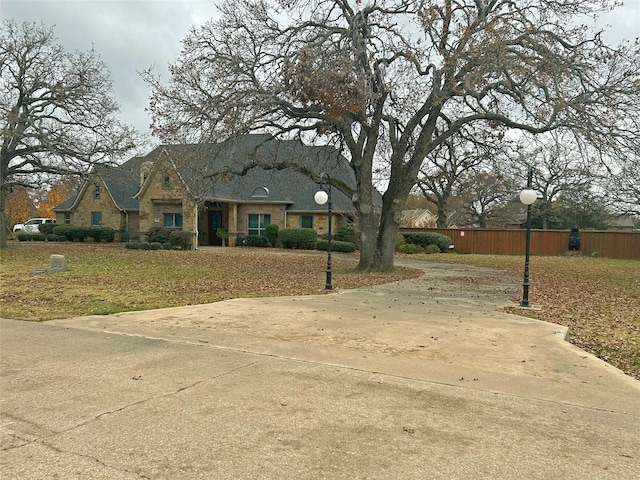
point(105, 199)
point(241, 185)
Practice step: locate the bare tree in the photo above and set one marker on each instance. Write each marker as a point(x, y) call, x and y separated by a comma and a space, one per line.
point(445, 169)
point(487, 196)
point(58, 116)
point(561, 168)
point(396, 80)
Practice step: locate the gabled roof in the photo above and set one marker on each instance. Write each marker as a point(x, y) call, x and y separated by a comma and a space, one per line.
point(234, 169)
point(122, 182)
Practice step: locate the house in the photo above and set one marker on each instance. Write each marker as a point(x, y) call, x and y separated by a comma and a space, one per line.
point(418, 218)
point(242, 185)
point(105, 198)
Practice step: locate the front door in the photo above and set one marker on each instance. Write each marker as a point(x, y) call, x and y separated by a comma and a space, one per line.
point(215, 222)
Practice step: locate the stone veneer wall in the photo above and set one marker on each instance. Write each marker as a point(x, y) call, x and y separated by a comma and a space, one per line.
point(81, 216)
point(277, 212)
point(159, 198)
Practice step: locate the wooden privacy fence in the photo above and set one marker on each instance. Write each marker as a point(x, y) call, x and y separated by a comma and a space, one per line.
point(624, 245)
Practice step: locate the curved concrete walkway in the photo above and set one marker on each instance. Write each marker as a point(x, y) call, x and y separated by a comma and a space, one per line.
point(418, 379)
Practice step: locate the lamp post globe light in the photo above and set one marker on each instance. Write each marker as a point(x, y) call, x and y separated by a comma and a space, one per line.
point(321, 197)
point(527, 197)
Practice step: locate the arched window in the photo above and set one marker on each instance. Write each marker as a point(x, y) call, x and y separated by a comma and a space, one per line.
point(260, 192)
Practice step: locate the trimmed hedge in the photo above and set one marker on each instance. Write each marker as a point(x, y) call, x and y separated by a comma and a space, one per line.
point(271, 232)
point(302, 238)
point(256, 241)
point(80, 234)
point(409, 248)
point(160, 234)
point(429, 238)
point(39, 237)
point(46, 228)
point(180, 239)
point(347, 233)
point(336, 246)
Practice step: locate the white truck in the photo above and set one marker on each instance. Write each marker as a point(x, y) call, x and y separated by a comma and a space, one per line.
point(31, 225)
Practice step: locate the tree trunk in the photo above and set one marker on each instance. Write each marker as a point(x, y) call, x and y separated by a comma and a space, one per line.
point(441, 221)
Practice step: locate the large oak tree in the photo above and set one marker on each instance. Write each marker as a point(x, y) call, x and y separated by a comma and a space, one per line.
point(392, 81)
point(57, 112)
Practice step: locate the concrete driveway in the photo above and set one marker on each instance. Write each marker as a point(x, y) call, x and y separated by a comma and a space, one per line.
point(421, 379)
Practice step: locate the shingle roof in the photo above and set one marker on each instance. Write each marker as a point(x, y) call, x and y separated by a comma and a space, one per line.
point(232, 171)
point(122, 181)
point(212, 170)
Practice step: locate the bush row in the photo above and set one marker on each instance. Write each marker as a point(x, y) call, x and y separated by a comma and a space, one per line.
point(62, 233)
point(80, 234)
point(336, 246)
point(163, 238)
point(413, 248)
point(149, 245)
point(298, 238)
point(429, 238)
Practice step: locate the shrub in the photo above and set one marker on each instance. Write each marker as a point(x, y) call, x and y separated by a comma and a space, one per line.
point(241, 241)
point(39, 237)
point(65, 230)
point(409, 248)
point(271, 232)
point(336, 246)
point(132, 245)
point(167, 246)
point(432, 249)
point(82, 233)
point(24, 237)
point(52, 237)
point(123, 235)
point(103, 234)
point(46, 228)
point(346, 233)
point(160, 234)
point(304, 238)
point(180, 239)
point(223, 235)
point(256, 241)
point(155, 246)
point(145, 246)
point(425, 239)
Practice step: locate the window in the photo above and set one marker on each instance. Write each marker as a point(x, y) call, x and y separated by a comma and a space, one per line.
point(96, 219)
point(172, 220)
point(257, 223)
point(260, 192)
point(67, 217)
point(307, 221)
point(167, 181)
point(97, 190)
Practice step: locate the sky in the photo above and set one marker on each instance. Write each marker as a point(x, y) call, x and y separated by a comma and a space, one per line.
point(132, 35)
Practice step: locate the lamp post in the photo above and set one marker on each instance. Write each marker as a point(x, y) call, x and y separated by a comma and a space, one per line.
point(528, 197)
point(321, 197)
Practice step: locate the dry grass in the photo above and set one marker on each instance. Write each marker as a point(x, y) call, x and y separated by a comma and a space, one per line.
point(105, 279)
